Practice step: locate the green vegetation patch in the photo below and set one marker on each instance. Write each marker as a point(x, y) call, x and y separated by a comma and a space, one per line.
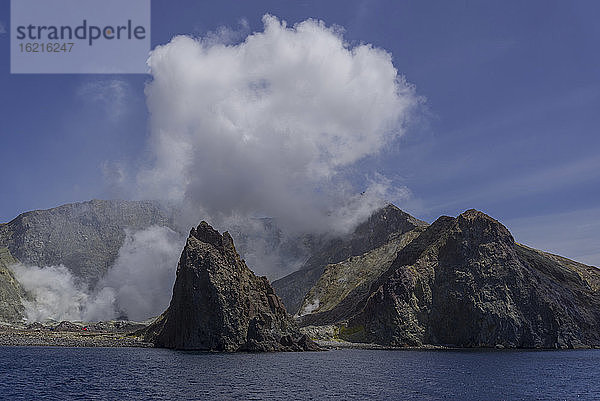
point(352, 334)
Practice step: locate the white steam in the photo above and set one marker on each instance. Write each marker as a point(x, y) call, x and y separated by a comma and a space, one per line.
point(272, 125)
point(56, 295)
point(138, 285)
point(143, 275)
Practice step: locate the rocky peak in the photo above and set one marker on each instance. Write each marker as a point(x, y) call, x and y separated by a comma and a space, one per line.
point(205, 233)
point(474, 223)
point(219, 304)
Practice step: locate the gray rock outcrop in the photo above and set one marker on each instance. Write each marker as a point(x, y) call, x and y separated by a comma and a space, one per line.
point(341, 284)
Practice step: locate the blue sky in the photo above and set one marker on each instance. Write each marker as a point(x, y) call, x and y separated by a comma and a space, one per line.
point(511, 128)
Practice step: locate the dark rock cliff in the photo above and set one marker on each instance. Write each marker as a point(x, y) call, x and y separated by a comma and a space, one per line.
point(369, 235)
point(465, 282)
point(219, 304)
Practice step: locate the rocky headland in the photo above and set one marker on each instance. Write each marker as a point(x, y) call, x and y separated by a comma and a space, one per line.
point(465, 282)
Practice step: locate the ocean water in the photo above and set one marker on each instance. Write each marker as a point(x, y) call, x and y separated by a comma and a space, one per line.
point(46, 373)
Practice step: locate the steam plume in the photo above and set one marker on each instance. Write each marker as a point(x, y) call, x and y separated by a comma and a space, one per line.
point(272, 125)
point(138, 285)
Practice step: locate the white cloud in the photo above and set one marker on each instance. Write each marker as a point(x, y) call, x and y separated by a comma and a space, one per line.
point(272, 125)
point(109, 95)
point(226, 35)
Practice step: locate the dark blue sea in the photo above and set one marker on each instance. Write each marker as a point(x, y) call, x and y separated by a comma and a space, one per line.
point(45, 373)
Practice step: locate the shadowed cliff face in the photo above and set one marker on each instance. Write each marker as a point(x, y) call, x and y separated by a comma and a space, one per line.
point(219, 304)
point(465, 282)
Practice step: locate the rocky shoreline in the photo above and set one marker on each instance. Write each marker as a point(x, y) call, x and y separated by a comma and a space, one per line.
point(341, 344)
point(20, 338)
point(69, 334)
point(29, 337)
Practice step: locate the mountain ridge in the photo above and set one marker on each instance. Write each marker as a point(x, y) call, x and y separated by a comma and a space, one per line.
point(395, 280)
point(83, 236)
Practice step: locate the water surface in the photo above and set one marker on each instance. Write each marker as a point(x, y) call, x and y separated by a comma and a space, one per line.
point(28, 373)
